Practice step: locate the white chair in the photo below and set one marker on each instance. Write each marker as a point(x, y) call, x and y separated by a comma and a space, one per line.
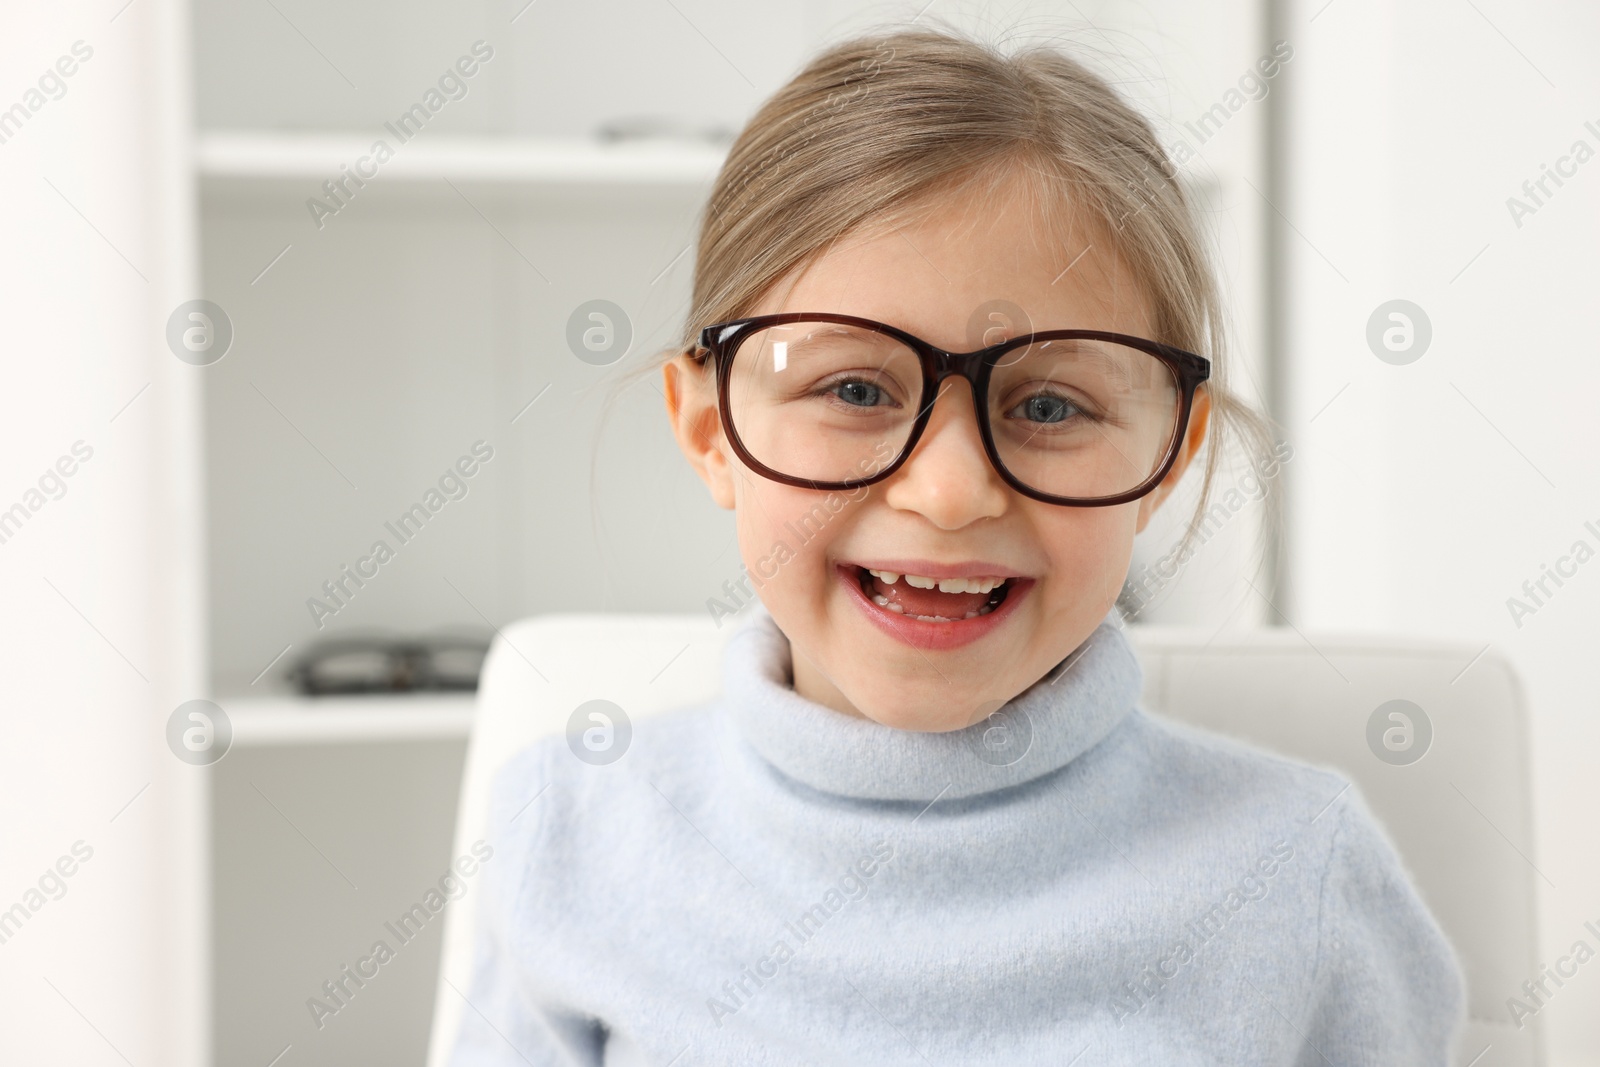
point(1460, 816)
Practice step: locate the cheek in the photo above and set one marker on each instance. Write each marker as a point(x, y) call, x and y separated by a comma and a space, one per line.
point(1089, 548)
point(783, 534)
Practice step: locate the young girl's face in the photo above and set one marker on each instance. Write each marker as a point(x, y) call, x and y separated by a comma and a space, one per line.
point(945, 513)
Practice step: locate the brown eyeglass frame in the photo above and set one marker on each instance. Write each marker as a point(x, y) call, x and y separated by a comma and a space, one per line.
point(721, 341)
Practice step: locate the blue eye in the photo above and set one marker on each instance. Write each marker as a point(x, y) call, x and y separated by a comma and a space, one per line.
point(1045, 408)
point(858, 394)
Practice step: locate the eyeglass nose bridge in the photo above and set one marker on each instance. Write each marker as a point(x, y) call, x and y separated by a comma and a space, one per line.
point(941, 364)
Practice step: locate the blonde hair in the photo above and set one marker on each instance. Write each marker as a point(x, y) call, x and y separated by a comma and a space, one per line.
point(878, 125)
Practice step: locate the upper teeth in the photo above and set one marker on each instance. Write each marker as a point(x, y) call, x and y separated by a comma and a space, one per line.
point(945, 585)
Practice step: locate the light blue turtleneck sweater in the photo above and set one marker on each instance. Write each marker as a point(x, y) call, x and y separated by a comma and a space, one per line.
point(765, 880)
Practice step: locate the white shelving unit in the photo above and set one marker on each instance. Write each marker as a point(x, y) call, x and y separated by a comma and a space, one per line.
point(260, 722)
point(427, 315)
point(243, 162)
point(250, 156)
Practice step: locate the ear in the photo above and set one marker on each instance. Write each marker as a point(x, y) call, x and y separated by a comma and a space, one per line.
point(691, 395)
point(1193, 438)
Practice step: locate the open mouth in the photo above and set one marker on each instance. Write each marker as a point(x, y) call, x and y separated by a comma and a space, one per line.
point(939, 600)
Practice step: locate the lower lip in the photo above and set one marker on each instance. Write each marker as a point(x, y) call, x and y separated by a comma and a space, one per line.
point(932, 636)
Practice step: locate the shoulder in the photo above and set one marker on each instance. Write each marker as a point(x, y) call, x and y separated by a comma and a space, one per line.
point(1380, 962)
point(1367, 884)
point(562, 786)
point(564, 823)
point(619, 738)
point(1325, 808)
point(1388, 983)
point(1211, 803)
point(1180, 765)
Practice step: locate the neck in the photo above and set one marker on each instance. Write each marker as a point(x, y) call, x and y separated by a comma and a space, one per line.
point(811, 682)
point(833, 747)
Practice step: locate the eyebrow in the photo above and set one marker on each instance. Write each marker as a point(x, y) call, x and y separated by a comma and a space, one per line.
point(832, 330)
point(1098, 355)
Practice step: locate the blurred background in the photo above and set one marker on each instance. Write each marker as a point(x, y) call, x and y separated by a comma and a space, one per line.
point(241, 346)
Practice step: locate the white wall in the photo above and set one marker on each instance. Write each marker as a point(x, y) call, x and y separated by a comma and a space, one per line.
point(101, 635)
point(1427, 493)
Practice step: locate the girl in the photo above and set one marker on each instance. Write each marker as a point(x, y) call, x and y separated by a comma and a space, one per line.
point(926, 823)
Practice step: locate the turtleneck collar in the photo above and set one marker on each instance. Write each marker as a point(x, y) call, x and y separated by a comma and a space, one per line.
point(1041, 729)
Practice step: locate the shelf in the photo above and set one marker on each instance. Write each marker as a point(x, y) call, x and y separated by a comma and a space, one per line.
point(292, 720)
point(255, 156)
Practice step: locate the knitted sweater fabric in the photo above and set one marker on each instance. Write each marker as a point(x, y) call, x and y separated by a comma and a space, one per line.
point(765, 880)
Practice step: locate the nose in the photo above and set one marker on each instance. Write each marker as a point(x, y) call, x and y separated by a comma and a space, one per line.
point(948, 478)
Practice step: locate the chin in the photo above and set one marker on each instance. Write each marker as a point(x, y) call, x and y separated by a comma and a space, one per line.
point(936, 713)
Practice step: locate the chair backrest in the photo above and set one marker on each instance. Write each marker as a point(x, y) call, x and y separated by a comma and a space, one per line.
point(1460, 816)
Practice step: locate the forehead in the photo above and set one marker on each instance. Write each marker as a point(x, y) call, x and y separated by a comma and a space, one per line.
point(957, 264)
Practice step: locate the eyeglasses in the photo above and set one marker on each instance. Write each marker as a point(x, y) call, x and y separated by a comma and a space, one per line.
point(387, 665)
point(1080, 418)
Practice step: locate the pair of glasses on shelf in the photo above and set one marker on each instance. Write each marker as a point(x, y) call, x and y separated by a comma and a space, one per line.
point(381, 664)
point(1080, 418)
